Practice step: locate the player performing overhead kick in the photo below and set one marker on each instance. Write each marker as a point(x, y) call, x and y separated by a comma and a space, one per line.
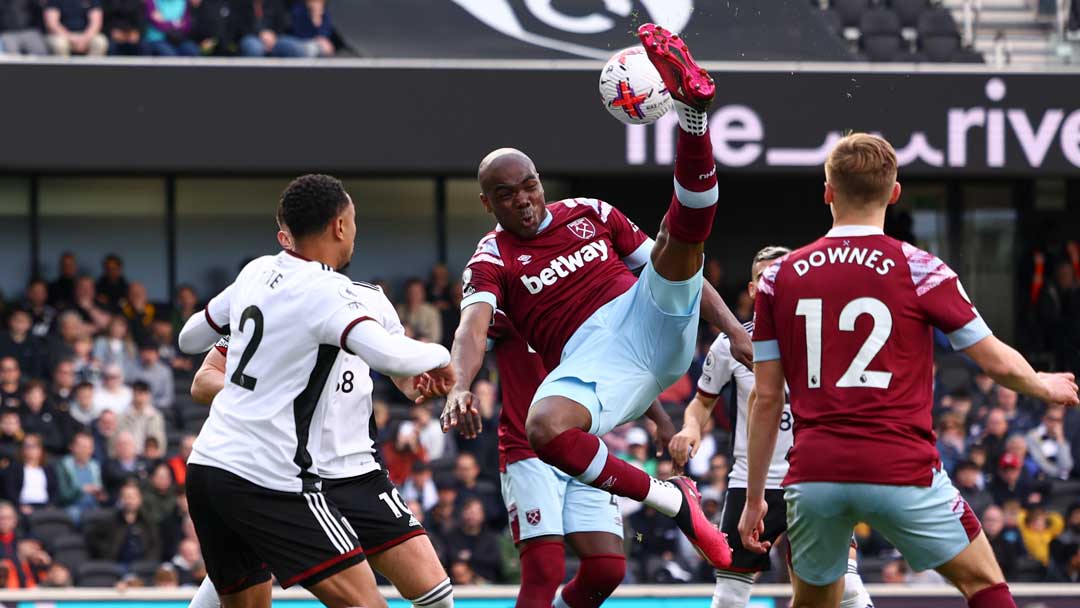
point(849, 321)
point(254, 492)
point(734, 584)
point(613, 342)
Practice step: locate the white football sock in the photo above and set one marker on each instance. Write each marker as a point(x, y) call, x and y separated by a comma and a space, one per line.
point(855, 594)
point(694, 122)
point(732, 589)
point(205, 596)
point(664, 497)
point(441, 596)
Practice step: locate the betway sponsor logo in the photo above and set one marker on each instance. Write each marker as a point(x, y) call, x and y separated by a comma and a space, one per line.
point(565, 265)
point(988, 134)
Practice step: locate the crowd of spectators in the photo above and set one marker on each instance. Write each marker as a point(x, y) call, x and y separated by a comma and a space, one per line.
point(168, 28)
point(96, 424)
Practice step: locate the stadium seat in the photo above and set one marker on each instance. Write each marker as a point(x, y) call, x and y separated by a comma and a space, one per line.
point(880, 34)
point(194, 415)
point(909, 11)
point(70, 550)
point(49, 524)
point(850, 11)
point(98, 574)
point(96, 517)
point(939, 38)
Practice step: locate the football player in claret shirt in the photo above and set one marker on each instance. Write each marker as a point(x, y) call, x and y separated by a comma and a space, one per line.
point(562, 272)
point(849, 320)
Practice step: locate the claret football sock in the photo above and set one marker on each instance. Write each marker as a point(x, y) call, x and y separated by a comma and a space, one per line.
point(996, 596)
point(693, 206)
point(596, 580)
point(586, 458)
point(543, 566)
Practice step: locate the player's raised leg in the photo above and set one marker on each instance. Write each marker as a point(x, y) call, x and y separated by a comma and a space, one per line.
point(679, 248)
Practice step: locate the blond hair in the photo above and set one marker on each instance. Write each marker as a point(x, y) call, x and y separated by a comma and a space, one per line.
point(862, 169)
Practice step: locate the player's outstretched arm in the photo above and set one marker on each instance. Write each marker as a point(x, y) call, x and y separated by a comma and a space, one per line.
point(766, 406)
point(665, 428)
point(394, 355)
point(716, 312)
point(684, 445)
point(467, 355)
point(209, 379)
point(197, 335)
point(1009, 368)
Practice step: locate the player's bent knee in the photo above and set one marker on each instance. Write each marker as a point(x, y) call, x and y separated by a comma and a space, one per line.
point(440, 596)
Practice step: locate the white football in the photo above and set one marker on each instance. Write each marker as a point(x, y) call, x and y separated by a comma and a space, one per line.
point(632, 89)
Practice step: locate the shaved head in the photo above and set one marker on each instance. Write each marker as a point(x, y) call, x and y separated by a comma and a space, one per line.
point(497, 157)
point(510, 189)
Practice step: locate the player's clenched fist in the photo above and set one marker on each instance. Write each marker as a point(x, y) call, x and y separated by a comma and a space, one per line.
point(461, 412)
point(752, 525)
point(1061, 388)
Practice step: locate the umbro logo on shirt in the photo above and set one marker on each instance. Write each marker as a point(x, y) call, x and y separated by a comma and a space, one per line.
point(525, 259)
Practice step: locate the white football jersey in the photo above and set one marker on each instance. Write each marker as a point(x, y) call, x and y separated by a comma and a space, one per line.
point(288, 318)
point(348, 434)
point(721, 368)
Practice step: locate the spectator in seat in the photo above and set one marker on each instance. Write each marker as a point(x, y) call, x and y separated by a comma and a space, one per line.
point(969, 481)
point(178, 463)
point(416, 312)
point(1017, 445)
point(952, 441)
point(113, 394)
point(130, 537)
point(1048, 446)
point(258, 27)
point(104, 432)
point(166, 577)
point(61, 345)
point(1071, 534)
point(138, 311)
point(62, 290)
point(26, 348)
point(125, 465)
point(442, 519)
point(74, 27)
point(994, 436)
point(637, 450)
point(30, 482)
point(10, 384)
point(57, 576)
point(186, 304)
point(1039, 528)
point(79, 479)
point(41, 419)
point(428, 433)
point(1067, 568)
point(159, 495)
point(82, 408)
point(473, 544)
point(153, 453)
point(1010, 483)
point(1005, 539)
point(187, 560)
point(15, 572)
point(438, 287)
point(312, 30)
point(462, 575)
point(36, 302)
point(150, 370)
point(86, 304)
point(11, 436)
point(1018, 418)
point(20, 28)
point(716, 483)
point(208, 24)
point(142, 420)
point(116, 347)
point(62, 390)
point(112, 287)
point(470, 486)
point(87, 368)
point(420, 487)
point(170, 355)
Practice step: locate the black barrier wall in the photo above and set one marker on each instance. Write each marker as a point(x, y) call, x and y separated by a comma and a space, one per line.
point(215, 117)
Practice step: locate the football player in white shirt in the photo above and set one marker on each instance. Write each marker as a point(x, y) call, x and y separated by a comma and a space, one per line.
point(353, 476)
point(734, 584)
point(253, 486)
